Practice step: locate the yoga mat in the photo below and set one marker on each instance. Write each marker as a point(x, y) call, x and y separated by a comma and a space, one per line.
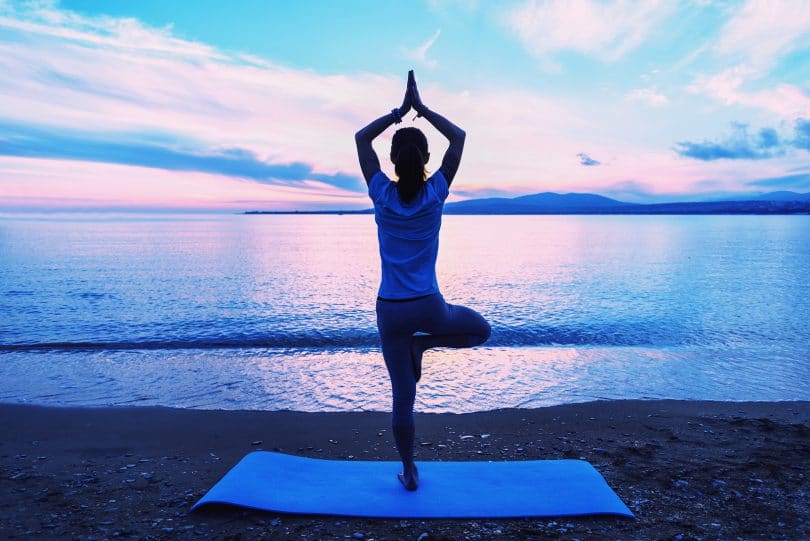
point(537, 488)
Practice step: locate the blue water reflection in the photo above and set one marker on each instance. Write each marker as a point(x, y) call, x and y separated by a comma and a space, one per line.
point(278, 311)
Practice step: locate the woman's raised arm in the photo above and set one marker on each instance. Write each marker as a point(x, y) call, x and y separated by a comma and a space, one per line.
point(456, 136)
point(369, 162)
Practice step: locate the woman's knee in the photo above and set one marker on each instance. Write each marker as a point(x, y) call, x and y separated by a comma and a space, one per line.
point(479, 328)
point(483, 332)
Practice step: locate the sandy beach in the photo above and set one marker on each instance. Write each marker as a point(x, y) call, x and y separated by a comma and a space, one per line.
point(688, 470)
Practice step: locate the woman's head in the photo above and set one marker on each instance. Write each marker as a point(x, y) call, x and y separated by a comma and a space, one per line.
point(409, 152)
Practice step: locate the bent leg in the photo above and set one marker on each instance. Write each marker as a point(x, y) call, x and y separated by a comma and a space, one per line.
point(454, 326)
point(450, 326)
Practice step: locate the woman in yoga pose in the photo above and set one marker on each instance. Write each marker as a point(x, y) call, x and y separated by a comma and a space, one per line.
point(408, 213)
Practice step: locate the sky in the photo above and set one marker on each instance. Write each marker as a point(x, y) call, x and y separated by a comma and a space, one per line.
point(252, 105)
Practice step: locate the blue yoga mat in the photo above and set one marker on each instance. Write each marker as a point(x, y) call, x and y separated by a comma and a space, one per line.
point(536, 488)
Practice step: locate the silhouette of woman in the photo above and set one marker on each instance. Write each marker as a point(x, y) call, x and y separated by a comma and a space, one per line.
point(408, 213)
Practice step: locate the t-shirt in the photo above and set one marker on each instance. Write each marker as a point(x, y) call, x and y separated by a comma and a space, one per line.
point(408, 235)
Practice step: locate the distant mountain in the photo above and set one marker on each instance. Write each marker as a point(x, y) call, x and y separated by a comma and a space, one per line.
point(583, 203)
point(757, 196)
point(719, 207)
point(570, 200)
point(539, 203)
point(779, 196)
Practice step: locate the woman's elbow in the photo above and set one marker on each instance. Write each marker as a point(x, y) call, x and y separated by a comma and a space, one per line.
point(457, 140)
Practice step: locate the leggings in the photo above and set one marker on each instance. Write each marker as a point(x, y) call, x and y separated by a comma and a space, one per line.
point(448, 325)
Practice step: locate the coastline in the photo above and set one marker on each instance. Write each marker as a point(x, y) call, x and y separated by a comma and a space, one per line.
point(711, 470)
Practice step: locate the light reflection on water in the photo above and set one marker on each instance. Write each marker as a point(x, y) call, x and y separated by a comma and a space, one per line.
point(453, 381)
point(277, 312)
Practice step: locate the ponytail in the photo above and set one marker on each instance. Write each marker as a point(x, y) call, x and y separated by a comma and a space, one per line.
point(408, 152)
point(410, 168)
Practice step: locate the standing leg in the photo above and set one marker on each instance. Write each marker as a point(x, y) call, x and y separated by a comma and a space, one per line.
point(395, 349)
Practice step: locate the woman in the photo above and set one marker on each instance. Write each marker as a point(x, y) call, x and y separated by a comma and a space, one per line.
point(408, 213)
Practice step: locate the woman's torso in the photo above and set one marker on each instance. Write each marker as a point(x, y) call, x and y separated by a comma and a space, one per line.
point(408, 235)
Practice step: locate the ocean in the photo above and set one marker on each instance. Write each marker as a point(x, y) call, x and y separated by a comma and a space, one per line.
point(277, 311)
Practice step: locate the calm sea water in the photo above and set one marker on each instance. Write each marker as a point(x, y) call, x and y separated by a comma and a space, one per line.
point(277, 312)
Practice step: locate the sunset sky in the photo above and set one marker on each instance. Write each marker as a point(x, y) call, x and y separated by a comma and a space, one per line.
point(215, 105)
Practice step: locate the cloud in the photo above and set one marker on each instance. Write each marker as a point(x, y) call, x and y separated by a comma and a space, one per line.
point(648, 95)
point(172, 104)
point(785, 100)
point(174, 114)
point(44, 18)
point(149, 100)
point(607, 30)
point(419, 54)
point(739, 146)
point(757, 37)
point(27, 141)
point(802, 130)
point(762, 31)
point(584, 159)
point(793, 182)
point(31, 183)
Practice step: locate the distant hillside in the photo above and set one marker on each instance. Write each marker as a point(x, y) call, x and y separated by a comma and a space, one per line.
point(719, 207)
point(768, 196)
point(581, 203)
point(540, 203)
point(779, 196)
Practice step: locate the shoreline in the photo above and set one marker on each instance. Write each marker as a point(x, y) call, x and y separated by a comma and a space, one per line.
point(698, 469)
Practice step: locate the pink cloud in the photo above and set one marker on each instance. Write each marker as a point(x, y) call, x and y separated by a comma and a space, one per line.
point(60, 183)
point(761, 30)
point(607, 30)
point(785, 100)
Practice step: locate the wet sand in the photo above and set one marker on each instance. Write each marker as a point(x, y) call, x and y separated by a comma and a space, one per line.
point(688, 470)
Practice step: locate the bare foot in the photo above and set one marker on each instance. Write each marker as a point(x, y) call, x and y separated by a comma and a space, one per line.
point(416, 359)
point(409, 480)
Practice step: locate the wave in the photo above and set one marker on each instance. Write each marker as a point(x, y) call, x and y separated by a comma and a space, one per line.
point(345, 339)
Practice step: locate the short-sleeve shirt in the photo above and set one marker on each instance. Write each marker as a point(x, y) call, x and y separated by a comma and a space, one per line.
point(409, 236)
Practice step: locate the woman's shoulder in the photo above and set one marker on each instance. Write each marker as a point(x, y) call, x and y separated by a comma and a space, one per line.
point(377, 184)
point(379, 176)
point(439, 183)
